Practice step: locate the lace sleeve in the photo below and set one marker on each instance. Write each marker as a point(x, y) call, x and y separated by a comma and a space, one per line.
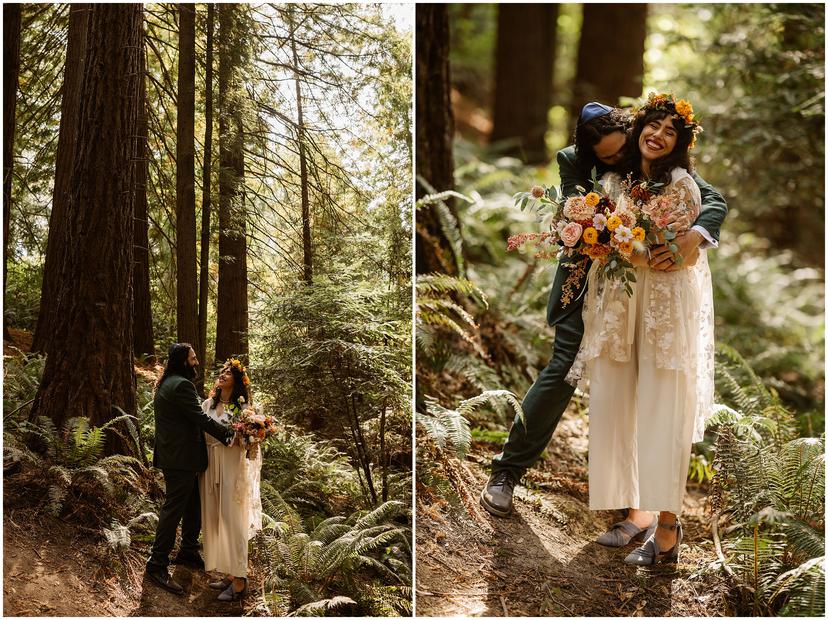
point(688, 195)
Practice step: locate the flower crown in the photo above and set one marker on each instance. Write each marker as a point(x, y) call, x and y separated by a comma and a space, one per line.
point(679, 108)
point(240, 367)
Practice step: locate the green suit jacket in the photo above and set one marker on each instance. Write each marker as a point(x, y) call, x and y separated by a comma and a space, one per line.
point(180, 424)
point(713, 213)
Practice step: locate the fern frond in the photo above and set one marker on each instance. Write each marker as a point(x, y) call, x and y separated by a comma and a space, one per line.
point(319, 608)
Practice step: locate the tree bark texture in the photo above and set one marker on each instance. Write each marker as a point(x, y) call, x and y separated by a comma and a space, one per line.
point(11, 73)
point(435, 135)
point(524, 67)
point(307, 254)
point(56, 245)
point(206, 198)
point(91, 373)
point(142, 332)
point(185, 226)
point(231, 310)
point(610, 55)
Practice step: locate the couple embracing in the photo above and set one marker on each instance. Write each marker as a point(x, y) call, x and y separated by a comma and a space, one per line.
point(648, 351)
point(212, 482)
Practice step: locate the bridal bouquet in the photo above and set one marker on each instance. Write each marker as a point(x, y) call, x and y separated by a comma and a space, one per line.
point(253, 428)
point(589, 225)
point(592, 226)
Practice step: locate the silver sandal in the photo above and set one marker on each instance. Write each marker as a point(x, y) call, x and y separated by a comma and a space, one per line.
point(624, 532)
point(649, 554)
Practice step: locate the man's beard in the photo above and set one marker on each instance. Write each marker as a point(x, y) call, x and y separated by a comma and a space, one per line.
point(191, 371)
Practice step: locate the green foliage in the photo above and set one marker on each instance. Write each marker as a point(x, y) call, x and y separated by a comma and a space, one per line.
point(771, 485)
point(438, 312)
point(450, 429)
point(756, 76)
point(323, 565)
point(313, 476)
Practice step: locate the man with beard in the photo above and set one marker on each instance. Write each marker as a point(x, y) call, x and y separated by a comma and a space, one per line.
point(181, 453)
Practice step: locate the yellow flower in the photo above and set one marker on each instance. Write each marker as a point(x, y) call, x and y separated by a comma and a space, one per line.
point(638, 233)
point(590, 235)
point(613, 222)
point(592, 199)
point(625, 248)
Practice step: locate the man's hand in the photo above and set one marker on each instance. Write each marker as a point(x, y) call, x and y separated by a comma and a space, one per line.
point(662, 258)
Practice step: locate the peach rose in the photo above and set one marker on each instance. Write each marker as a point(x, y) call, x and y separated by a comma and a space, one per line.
point(571, 234)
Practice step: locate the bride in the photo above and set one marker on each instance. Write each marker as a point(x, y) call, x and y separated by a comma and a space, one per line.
point(649, 355)
point(231, 507)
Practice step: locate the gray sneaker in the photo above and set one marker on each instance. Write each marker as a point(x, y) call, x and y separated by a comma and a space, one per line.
point(496, 497)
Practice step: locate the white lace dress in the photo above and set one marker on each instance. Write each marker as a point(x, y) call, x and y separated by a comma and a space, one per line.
point(649, 360)
point(231, 506)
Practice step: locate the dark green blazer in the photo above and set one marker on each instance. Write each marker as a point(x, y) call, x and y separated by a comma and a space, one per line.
point(713, 213)
point(180, 424)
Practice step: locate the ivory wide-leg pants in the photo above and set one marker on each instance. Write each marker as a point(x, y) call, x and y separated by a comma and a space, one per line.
point(641, 420)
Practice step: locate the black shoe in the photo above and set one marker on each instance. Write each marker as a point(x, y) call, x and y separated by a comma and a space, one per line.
point(193, 560)
point(497, 496)
point(163, 579)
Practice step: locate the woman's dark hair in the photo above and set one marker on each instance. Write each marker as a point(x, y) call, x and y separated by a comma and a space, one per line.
point(588, 134)
point(660, 168)
point(239, 389)
point(177, 363)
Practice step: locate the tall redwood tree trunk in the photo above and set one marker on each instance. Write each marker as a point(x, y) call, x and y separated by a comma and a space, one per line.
point(307, 254)
point(56, 246)
point(142, 332)
point(185, 246)
point(435, 135)
point(610, 55)
point(231, 311)
point(11, 72)
point(91, 373)
point(524, 66)
point(206, 198)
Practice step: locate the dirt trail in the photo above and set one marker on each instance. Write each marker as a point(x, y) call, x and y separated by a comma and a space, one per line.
point(541, 561)
point(51, 568)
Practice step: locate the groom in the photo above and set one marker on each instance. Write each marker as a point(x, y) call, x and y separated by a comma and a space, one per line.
point(601, 135)
point(181, 453)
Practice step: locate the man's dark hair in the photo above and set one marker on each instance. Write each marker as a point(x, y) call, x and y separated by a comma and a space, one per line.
point(177, 363)
point(660, 168)
point(588, 134)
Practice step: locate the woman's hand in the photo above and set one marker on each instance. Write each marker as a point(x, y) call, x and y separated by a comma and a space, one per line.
point(663, 259)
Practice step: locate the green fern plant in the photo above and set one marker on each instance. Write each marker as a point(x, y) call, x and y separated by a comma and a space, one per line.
point(437, 311)
point(771, 486)
point(448, 223)
point(315, 566)
point(450, 429)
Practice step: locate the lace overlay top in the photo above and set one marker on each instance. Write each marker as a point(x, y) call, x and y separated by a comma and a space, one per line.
point(677, 326)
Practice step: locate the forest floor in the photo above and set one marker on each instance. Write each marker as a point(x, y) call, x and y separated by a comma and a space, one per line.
point(54, 568)
point(542, 561)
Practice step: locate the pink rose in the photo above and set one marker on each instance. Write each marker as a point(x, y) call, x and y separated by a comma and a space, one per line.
point(571, 234)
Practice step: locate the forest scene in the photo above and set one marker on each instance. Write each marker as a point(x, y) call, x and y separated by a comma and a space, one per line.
point(506, 85)
point(236, 177)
